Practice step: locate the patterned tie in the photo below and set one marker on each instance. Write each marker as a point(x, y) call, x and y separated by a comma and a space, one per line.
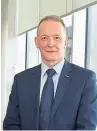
point(46, 101)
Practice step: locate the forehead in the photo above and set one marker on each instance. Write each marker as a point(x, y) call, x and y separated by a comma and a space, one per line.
point(50, 27)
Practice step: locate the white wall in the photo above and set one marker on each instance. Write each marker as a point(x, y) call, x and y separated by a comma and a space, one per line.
point(4, 38)
point(31, 11)
point(92, 39)
point(8, 50)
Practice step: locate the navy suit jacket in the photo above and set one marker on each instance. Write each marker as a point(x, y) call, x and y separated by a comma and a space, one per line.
point(75, 104)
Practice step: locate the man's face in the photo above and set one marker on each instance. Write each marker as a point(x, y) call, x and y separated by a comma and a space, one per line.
point(51, 41)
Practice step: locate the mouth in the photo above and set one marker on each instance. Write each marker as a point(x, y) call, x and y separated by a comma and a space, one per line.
point(51, 51)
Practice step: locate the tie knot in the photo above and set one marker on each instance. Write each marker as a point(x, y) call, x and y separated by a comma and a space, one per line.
point(50, 72)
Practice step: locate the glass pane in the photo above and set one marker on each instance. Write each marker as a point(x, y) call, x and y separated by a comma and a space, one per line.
point(92, 39)
point(32, 51)
point(68, 22)
point(79, 33)
point(21, 50)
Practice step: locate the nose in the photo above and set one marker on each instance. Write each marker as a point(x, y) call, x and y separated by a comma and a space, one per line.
point(50, 42)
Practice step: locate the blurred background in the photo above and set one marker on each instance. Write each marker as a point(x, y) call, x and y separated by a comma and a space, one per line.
point(19, 20)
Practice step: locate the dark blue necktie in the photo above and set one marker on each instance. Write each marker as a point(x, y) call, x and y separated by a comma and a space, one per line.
point(46, 101)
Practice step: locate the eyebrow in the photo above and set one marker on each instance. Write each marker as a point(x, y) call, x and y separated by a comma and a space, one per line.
point(57, 35)
point(53, 35)
point(44, 35)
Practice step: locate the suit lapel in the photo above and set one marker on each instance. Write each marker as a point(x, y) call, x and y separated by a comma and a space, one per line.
point(62, 86)
point(34, 82)
point(34, 92)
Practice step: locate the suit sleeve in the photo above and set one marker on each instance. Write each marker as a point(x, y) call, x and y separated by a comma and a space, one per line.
point(87, 113)
point(12, 118)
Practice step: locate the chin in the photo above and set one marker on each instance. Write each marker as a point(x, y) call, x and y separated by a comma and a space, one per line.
point(52, 58)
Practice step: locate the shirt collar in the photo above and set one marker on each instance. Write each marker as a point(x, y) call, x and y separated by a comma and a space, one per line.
point(58, 67)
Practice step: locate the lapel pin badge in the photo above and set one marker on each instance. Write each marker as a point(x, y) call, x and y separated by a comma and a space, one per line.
point(66, 75)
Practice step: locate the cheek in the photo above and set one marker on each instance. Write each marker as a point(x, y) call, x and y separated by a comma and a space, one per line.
point(61, 47)
point(41, 46)
point(42, 49)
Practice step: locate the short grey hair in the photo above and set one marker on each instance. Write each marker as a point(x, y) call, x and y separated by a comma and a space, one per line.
point(53, 18)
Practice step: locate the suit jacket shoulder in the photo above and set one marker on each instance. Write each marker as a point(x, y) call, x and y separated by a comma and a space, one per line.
point(30, 71)
point(80, 71)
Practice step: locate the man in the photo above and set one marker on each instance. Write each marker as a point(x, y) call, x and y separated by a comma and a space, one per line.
point(55, 95)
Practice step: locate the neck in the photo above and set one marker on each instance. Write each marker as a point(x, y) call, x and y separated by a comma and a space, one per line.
point(51, 64)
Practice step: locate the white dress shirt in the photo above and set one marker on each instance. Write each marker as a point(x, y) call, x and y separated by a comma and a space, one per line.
point(58, 68)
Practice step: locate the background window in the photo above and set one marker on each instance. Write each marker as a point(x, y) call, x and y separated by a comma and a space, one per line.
point(68, 22)
point(33, 55)
point(79, 34)
point(92, 38)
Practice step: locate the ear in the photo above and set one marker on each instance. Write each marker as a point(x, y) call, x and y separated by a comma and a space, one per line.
point(66, 42)
point(36, 42)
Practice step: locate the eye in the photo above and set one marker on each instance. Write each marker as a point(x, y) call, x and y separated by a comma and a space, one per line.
point(44, 38)
point(57, 38)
